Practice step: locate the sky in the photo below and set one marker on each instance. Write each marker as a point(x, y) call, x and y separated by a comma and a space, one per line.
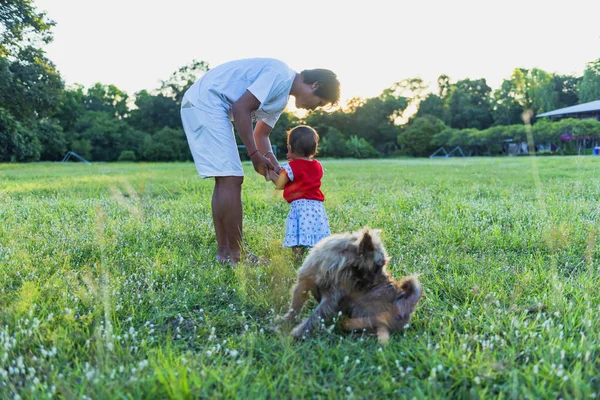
point(136, 44)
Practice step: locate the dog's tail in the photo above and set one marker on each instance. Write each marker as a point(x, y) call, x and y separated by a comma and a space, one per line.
point(411, 294)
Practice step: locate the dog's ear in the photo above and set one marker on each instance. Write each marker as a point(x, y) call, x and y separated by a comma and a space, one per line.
point(366, 243)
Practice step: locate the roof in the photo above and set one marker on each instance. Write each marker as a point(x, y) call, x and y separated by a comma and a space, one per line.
point(592, 106)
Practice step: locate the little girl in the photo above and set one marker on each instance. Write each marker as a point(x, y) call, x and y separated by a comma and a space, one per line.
point(300, 180)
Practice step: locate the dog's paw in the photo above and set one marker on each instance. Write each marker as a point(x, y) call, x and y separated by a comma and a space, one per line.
point(300, 332)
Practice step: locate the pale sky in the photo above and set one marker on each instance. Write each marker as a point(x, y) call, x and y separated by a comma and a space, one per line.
point(134, 44)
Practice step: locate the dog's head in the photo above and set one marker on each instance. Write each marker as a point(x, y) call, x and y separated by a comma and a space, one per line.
point(389, 304)
point(409, 292)
point(371, 252)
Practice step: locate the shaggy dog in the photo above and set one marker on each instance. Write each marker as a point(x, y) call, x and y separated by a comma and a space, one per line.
point(346, 272)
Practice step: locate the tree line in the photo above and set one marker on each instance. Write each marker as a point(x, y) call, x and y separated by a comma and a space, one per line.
point(41, 118)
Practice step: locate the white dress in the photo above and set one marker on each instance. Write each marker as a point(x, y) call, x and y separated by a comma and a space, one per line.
point(307, 221)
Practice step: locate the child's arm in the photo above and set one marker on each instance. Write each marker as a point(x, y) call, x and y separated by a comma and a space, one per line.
point(280, 180)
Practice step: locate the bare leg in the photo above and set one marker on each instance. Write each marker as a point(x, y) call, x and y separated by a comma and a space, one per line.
point(227, 216)
point(298, 252)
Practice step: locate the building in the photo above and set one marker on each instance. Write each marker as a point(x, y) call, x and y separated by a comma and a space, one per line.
point(579, 111)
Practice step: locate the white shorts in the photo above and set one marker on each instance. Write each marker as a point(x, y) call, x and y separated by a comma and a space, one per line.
point(212, 142)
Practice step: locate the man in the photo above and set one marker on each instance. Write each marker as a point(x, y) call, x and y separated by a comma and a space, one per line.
point(247, 91)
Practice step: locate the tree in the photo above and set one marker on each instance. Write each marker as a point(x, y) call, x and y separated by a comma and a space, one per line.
point(182, 79)
point(167, 145)
point(21, 25)
point(70, 107)
point(416, 137)
point(18, 144)
point(52, 139)
point(469, 102)
point(589, 86)
point(566, 87)
point(434, 106)
point(506, 110)
point(154, 112)
point(332, 143)
point(106, 98)
point(360, 148)
point(29, 85)
point(278, 135)
point(107, 136)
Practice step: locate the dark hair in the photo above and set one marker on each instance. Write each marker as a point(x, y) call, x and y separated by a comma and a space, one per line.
point(329, 86)
point(303, 140)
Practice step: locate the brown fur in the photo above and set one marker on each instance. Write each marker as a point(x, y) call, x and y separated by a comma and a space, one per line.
point(383, 308)
point(346, 272)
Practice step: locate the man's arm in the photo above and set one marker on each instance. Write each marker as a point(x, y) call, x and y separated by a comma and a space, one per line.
point(242, 118)
point(262, 131)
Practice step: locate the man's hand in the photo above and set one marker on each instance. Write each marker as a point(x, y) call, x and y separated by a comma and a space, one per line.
point(262, 164)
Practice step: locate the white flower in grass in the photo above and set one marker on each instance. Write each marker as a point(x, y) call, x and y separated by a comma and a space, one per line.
point(348, 389)
point(477, 380)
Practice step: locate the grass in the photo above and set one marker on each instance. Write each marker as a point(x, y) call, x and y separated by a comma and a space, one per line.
point(109, 288)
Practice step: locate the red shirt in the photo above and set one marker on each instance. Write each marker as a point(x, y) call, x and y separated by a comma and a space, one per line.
point(306, 183)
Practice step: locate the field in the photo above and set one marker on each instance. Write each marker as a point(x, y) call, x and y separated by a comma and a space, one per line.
point(109, 286)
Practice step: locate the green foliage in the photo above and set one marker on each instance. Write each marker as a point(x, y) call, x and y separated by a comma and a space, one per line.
point(83, 147)
point(433, 105)
point(416, 138)
point(127, 155)
point(106, 98)
point(29, 86)
point(21, 25)
point(18, 143)
point(589, 86)
point(506, 109)
point(278, 135)
point(52, 140)
point(332, 143)
point(360, 148)
point(469, 103)
point(182, 79)
point(154, 112)
point(107, 135)
point(42, 119)
point(166, 145)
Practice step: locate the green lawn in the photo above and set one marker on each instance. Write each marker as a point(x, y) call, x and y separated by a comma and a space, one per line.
point(109, 289)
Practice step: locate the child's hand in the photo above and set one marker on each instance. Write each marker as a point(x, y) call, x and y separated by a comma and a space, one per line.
point(274, 176)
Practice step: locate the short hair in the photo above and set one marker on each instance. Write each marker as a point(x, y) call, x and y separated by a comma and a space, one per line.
point(329, 86)
point(303, 140)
